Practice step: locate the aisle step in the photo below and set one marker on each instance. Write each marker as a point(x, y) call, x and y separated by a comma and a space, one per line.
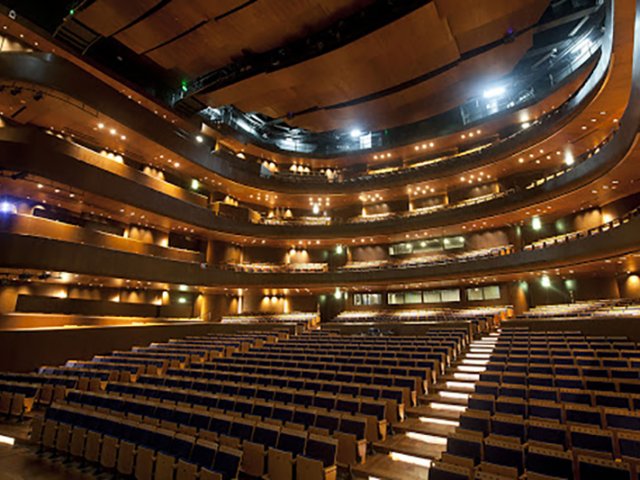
point(451, 398)
point(436, 410)
point(413, 444)
point(426, 426)
point(383, 467)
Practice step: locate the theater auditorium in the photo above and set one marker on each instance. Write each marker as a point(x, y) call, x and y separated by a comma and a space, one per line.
point(320, 240)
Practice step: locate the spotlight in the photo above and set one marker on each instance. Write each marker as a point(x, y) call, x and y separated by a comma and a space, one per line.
point(7, 207)
point(495, 92)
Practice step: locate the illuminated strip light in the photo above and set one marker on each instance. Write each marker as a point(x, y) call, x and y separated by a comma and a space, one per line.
point(439, 421)
point(401, 457)
point(481, 356)
point(421, 437)
point(447, 406)
point(471, 361)
point(471, 377)
point(456, 395)
point(373, 478)
point(454, 384)
point(7, 440)
point(481, 350)
point(471, 369)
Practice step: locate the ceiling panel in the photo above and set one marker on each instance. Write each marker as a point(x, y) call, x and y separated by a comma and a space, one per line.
point(108, 16)
point(176, 18)
point(257, 28)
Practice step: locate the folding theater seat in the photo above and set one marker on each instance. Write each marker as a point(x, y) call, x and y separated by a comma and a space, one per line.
point(546, 434)
point(326, 423)
point(166, 461)
point(549, 394)
point(476, 421)
point(480, 402)
point(592, 441)
point(265, 436)
point(352, 444)
point(303, 417)
point(291, 443)
point(219, 424)
point(612, 400)
point(511, 405)
point(319, 459)
point(449, 471)
point(159, 441)
point(620, 419)
point(510, 427)
point(583, 415)
point(550, 463)
point(226, 465)
point(504, 454)
point(577, 395)
point(202, 456)
point(543, 410)
point(596, 468)
point(375, 412)
point(240, 431)
point(282, 414)
point(465, 444)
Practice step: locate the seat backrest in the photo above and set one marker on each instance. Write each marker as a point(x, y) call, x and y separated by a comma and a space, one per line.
point(291, 441)
point(592, 467)
point(353, 426)
point(591, 439)
point(220, 424)
point(227, 462)
point(203, 453)
point(327, 421)
point(242, 429)
point(504, 453)
point(322, 448)
point(266, 435)
point(465, 445)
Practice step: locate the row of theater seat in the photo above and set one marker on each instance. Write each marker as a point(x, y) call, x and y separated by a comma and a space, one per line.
point(416, 379)
point(131, 447)
point(393, 397)
point(328, 395)
point(347, 400)
point(504, 460)
point(550, 405)
point(301, 408)
point(231, 430)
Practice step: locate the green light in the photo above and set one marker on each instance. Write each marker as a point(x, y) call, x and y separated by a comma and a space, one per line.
point(72, 12)
point(536, 223)
point(184, 86)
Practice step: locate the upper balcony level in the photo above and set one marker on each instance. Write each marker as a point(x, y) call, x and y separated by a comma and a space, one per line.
point(579, 71)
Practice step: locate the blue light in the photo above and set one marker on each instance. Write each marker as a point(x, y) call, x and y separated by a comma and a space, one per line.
point(7, 207)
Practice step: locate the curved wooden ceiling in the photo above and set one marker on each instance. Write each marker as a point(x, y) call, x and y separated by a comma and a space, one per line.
point(197, 36)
